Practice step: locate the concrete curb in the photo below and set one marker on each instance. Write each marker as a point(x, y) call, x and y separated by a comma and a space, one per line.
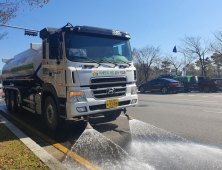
point(48, 159)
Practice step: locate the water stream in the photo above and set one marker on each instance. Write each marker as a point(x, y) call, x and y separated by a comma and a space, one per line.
point(102, 152)
point(164, 150)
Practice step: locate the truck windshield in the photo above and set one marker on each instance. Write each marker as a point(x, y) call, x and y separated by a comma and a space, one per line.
point(79, 48)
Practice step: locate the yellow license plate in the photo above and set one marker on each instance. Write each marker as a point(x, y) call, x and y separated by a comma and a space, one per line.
point(112, 103)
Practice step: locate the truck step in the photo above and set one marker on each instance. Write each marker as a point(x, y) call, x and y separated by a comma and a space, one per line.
point(30, 110)
point(29, 101)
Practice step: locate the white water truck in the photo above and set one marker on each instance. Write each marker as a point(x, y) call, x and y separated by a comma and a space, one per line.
point(76, 72)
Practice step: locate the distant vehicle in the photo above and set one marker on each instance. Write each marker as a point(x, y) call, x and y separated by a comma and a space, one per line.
point(0, 85)
point(168, 76)
point(163, 85)
point(189, 82)
point(205, 84)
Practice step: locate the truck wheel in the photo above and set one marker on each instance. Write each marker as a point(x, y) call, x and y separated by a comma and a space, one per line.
point(7, 100)
point(51, 113)
point(18, 101)
point(13, 101)
point(112, 115)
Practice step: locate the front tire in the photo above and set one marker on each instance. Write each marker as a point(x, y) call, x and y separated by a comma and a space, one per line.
point(164, 90)
point(175, 91)
point(7, 100)
point(142, 90)
point(51, 114)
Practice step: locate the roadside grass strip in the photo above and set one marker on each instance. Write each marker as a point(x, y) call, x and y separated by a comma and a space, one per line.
point(60, 147)
point(14, 154)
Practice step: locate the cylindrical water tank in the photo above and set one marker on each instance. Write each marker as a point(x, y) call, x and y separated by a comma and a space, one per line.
point(24, 64)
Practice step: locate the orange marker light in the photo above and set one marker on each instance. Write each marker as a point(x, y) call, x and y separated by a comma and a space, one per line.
point(60, 84)
point(76, 93)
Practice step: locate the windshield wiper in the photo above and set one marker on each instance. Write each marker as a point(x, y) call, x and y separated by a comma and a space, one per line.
point(124, 62)
point(89, 59)
point(108, 61)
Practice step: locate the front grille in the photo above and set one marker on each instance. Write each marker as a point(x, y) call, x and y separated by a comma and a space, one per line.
point(104, 93)
point(103, 106)
point(108, 80)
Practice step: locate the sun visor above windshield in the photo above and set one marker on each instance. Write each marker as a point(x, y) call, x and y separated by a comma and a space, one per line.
point(96, 30)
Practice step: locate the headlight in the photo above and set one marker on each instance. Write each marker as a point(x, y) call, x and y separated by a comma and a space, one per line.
point(133, 90)
point(77, 96)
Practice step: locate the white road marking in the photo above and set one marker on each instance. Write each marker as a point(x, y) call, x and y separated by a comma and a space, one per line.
point(195, 100)
point(211, 101)
point(211, 111)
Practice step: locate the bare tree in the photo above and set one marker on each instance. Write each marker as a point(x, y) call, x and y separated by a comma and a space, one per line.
point(165, 65)
point(196, 47)
point(216, 46)
point(9, 9)
point(175, 62)
point(144, 58)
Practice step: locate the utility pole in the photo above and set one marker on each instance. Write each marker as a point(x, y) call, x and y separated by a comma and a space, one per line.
point(185, 62)
point(30, 32)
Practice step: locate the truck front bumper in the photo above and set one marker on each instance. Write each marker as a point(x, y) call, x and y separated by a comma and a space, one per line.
point(98, 106)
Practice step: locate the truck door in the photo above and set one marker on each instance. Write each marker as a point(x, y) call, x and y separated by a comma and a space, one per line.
point(53, 64)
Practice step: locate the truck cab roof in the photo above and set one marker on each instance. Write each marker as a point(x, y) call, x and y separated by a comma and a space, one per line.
point(84, 30)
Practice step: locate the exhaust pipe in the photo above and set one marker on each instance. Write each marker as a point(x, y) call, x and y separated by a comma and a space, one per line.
point(128, 117)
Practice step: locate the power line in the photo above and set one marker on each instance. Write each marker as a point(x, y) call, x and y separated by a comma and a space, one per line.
point(25, 22)
point(33, 19)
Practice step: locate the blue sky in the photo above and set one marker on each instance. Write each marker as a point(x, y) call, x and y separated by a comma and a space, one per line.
point(158, 23)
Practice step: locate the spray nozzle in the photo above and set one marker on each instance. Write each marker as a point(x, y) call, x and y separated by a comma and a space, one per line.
point(86, 119)
point(88, 126)
point(128, 117)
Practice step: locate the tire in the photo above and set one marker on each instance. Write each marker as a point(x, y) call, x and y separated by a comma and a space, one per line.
point(7, 100)
point(51, 114)
point(112, 116)
point(175, 91)
point(142, 90)
point(13, 101)
point(18, 101)
point(200, 90)
point(206, 89)
point(164, 90)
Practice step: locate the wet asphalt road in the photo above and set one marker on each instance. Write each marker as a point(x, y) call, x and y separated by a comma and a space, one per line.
point(194, 116)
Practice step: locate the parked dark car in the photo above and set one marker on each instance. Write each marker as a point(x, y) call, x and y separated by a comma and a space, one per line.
point(188, 81)
point(205, 84)
point(163, 85)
